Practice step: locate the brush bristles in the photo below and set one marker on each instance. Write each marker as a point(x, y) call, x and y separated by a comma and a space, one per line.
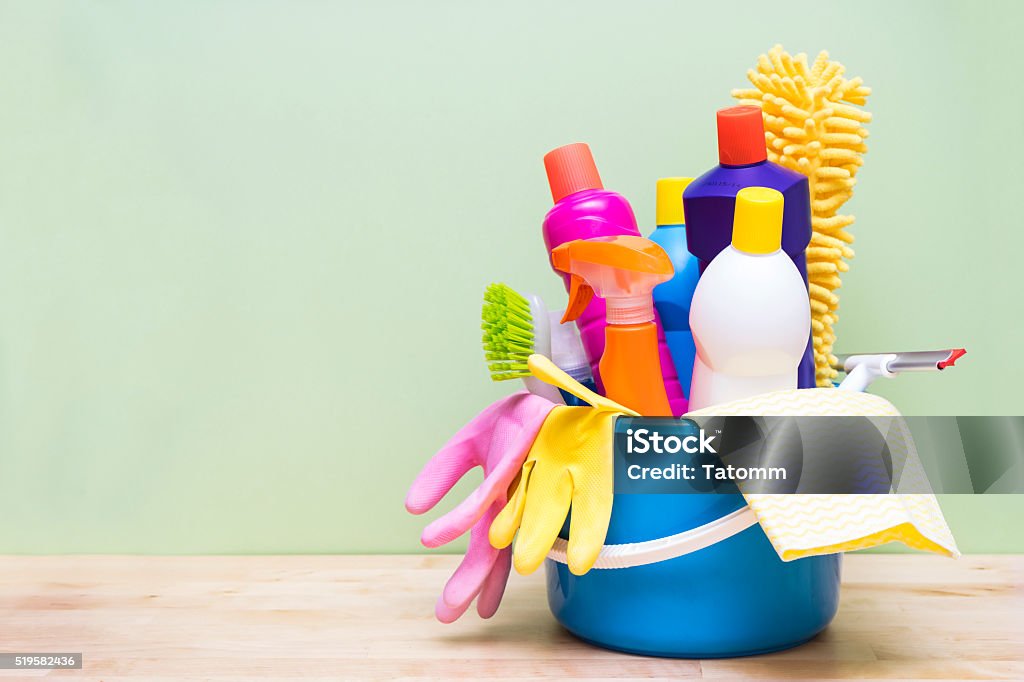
point(508, 332)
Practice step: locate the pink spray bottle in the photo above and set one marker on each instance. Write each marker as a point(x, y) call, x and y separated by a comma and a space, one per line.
point(583, 210)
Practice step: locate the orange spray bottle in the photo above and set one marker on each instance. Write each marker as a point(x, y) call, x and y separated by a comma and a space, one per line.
point(623, 270)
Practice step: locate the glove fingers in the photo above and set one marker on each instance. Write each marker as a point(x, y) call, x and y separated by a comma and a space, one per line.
point(506, 523)
point(447, 614)
point(546, 507)
point(440, 475)
point(495, 485)
point(452, 525)
point(465, 450)
point(494, 586)
point(588, 527)
point(504, 467)
point(468, 579)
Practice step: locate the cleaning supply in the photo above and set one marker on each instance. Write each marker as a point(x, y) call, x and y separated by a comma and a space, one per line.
point(568, 355)
point(750, 315)
point(710, 201)
point(813, 125)
point(623, 271)
point(514, 328)
point(731, 597)
point(496, 440)
point(584, 209)
point(570, 463)
point(672, 298)
point(709, 576)
point(862, 369)
point(809, 525)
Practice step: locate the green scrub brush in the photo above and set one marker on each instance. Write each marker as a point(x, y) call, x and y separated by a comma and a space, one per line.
point(515, 327)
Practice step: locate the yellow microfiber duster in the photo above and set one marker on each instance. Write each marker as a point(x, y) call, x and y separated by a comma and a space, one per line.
point(804, 525)
point(813, 125)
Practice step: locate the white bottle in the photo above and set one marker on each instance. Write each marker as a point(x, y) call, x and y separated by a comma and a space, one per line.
point(750, 314)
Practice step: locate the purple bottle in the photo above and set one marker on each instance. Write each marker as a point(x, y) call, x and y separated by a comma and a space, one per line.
point(584, 209)
point(710, 200)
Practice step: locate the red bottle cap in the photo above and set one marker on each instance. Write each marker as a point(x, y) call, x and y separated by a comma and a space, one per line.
point(571, 169)
point(741, 136)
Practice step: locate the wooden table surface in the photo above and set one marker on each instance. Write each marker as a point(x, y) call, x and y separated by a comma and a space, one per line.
point(370, 617)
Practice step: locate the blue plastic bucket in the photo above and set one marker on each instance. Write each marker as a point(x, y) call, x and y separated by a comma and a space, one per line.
point(734, 597)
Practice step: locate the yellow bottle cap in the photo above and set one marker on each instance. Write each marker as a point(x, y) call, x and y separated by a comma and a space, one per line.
point(669, 207)
point(757, 224)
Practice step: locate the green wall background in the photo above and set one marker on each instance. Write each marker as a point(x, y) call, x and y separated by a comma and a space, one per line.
point(242, 245)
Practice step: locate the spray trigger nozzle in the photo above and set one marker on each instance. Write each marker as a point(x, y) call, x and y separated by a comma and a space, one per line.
point(580, 294)
point(623, 270)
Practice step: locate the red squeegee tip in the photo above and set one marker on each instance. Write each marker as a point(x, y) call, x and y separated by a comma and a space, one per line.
point(954, 355)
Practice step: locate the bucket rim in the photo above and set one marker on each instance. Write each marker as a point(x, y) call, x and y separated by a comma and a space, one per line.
point(632, 554)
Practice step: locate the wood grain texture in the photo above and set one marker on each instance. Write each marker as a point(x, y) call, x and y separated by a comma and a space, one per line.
point(371, 617)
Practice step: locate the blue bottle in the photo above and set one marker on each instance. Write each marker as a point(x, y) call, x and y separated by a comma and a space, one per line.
point(672, 299)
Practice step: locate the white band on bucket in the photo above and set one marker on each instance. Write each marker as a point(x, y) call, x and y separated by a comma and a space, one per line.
point(652, 551)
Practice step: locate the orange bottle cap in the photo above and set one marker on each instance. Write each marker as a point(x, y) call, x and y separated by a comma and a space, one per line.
point(741, 136)
point(571, 169)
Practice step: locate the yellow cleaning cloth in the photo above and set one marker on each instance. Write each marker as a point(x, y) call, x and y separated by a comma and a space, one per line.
point(803, 525)
point(570, 463)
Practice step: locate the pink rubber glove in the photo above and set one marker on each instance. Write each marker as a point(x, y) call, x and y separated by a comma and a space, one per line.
point(498, 439)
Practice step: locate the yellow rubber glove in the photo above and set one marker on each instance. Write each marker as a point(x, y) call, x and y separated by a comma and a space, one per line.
point(571, 463)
